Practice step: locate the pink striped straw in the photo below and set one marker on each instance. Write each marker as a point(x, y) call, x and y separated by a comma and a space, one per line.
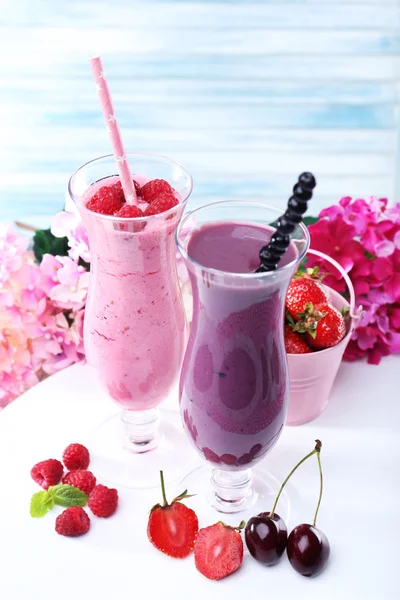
point(113, 130)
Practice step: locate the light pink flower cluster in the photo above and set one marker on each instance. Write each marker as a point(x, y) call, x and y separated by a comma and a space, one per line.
point(41, 310)
point(364, 237)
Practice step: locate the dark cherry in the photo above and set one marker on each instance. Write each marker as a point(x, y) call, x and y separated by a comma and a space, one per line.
point(308, 550)
point(307, 181)
point(266, 538)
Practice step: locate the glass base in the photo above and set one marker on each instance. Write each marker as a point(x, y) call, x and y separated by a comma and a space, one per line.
point(130, 448)
point(237, 495)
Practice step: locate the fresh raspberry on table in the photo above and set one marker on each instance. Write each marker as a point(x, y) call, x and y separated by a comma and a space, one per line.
point(84, 480)
point(105, 201)
point(76, 456)
point(163, 203)
point(152, 189)
point(47, 473)
point(72, 522)
point(129, 211)
point(103, 501)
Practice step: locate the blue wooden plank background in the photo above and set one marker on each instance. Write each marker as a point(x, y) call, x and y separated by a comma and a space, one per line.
point(245, 94)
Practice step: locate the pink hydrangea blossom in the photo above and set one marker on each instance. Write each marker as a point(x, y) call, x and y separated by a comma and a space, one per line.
point(364, 237)
point(70, 225)
point(41, 314)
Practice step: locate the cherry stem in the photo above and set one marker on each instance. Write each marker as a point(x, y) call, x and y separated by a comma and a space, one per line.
point(316, 450)
point(165, 503)
point(321, 486)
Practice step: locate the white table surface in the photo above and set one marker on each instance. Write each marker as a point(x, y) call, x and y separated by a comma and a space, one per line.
point(359, 512)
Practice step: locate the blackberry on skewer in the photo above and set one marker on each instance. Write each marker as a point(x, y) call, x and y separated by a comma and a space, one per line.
point(271, 254)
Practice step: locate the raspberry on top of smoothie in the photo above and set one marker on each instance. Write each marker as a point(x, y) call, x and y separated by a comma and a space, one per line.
point(155, 197)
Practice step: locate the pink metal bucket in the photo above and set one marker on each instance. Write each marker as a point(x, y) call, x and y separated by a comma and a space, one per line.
point(312, 375)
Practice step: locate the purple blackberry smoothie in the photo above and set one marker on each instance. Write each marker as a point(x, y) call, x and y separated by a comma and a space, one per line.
point(234, 387)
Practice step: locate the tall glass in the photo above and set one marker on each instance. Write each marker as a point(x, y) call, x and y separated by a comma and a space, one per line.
point(234, 382)
point(135, 328)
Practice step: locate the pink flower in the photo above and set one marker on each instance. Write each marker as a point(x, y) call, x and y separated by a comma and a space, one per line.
point(67, 282)
point(12, 248)
point(364, 237)
point(41, 315)
point(359, 213)
point(70, 225)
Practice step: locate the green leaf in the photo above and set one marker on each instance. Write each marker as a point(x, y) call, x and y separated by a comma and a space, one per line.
point(68, 495)
point(310, 221)
point(41, 503)
point(44, 242)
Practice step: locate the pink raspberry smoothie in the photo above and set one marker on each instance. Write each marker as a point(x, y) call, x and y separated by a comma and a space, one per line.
point(135, 326)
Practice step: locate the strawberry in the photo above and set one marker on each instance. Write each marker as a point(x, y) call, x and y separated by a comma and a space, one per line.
point(172, 528)
point(164, 202)
point(219, 550)
point(105, 201)
point(302, 291)
point(47, 473)
point(129, 211)
point(152, 189)
point(76, 456)
point(323, 324)
point(72, 522)
point(295, 342)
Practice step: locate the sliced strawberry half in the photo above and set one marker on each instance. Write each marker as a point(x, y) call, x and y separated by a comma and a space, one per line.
point(172, 528)
point(219, 550)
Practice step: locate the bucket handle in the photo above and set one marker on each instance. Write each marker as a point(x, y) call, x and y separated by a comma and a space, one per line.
point(355, 315)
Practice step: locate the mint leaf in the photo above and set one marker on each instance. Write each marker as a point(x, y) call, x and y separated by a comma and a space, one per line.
point(41, 503)
point(68, 495)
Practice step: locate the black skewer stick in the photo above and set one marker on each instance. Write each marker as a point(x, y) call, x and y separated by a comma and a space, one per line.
point(271, 254)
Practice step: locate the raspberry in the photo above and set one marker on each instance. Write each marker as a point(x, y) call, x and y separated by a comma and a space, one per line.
point(72, 522)
point(117, 187)
point(76, 456)
point(47, 473)
point(105, 201)
point(163, 202)
point(103, 501)
point(152, 189)
point(129, 211)
point(84, 480)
